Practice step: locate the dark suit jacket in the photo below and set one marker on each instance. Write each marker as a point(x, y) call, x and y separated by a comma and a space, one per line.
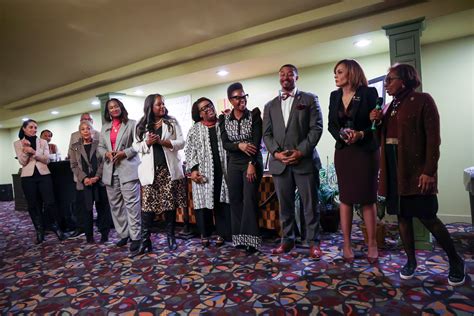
point(362, 103)
point(77, 154)
point(303, 131)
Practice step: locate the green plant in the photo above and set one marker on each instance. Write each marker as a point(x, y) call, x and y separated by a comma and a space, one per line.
point(381, 207)
point(328, 190)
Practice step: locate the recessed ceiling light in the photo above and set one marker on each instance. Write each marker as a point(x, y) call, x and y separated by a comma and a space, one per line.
point(95, 102)
point(362, 43)
point(25, 119)
point(55, 112)
point(222, 73)
point(138, 92)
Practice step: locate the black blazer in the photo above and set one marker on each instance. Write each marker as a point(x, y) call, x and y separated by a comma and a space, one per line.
point(363, 103)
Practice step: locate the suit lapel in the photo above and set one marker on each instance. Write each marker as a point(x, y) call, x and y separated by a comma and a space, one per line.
point(107, 136)
point(120, 135)
point(38, 146)
point(296, 101)
point(277, 120)
point(83, 152)
point(336, 104)
point(355, 104)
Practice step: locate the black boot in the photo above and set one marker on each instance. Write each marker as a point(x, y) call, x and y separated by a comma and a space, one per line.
point(134, 248)
point(38, 223)
point(57, 231)
point(147, 223)
point(170, 217)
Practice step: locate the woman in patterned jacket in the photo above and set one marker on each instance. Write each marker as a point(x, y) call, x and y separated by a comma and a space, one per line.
point(241, 132)
point(206, 162)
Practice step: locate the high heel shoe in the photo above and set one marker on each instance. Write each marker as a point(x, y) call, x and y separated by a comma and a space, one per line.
point(145, 246)
point(39, 237)
point(373, 260)
point(349, 259)
point(205, 242)
point(219, 241)
point(171, 242)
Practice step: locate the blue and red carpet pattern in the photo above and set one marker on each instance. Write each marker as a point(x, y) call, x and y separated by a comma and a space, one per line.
point(72, 277)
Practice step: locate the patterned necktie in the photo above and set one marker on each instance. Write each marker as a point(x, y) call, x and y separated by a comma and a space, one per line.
point(286, 95)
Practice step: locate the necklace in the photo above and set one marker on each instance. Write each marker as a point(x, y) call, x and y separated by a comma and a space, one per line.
point(116, 128)
point(158, 123)
point(396, 104)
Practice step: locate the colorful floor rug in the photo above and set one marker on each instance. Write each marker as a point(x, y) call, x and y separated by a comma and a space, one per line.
point(72, 277)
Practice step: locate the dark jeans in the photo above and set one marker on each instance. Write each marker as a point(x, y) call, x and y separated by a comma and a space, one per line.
point(98, 195)
point(38, 191)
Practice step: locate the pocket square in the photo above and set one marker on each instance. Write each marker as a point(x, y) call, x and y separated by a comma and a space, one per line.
point(300, 106)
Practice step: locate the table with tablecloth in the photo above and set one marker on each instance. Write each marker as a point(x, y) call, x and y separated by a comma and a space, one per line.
point(268, 211)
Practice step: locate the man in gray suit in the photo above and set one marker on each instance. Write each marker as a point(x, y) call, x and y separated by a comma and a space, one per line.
point(292, 127)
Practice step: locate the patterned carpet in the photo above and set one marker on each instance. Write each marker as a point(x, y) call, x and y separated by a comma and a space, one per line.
point(72, 277)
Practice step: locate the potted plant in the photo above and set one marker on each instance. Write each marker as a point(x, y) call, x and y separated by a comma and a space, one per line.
point(328, 194)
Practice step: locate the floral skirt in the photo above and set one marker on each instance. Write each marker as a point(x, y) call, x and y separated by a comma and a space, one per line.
point(164, 194)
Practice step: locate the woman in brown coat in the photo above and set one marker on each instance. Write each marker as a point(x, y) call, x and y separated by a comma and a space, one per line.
point(410, 140)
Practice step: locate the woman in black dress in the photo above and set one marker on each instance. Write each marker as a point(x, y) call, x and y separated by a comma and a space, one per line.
point(356, 157)
point(241, 136)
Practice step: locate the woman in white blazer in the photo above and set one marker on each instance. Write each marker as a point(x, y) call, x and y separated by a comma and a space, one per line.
point(32, 153)
point(158, 140)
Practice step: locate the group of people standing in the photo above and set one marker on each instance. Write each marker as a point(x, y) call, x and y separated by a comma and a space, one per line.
point(137, 169)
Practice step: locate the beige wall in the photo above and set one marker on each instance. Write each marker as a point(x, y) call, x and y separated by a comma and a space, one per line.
point(447, 76)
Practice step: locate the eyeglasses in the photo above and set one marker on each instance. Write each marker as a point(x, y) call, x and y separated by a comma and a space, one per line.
point(239, 97)
point(390, 79)
point(207, 107)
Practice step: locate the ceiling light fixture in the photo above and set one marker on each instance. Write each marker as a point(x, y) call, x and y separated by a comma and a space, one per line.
point(95, 102)
point(362, 43)
point(55, 112)
point(138, 92)
point(25, 119)
point(222, 73)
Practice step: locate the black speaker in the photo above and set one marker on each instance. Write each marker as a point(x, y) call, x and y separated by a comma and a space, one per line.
point(6, 192)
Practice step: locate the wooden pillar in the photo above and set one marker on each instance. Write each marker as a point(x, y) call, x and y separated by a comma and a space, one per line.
point(404, 39)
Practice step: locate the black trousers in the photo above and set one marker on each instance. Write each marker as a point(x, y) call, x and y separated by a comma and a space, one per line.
point(205, 221)
point(95, 194)
point(244, 197)
point(39, 194)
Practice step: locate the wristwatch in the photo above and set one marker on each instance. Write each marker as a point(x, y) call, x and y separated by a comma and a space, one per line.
point(252, 163)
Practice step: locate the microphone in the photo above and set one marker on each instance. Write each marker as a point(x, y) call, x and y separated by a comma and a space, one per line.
point(378, 106)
